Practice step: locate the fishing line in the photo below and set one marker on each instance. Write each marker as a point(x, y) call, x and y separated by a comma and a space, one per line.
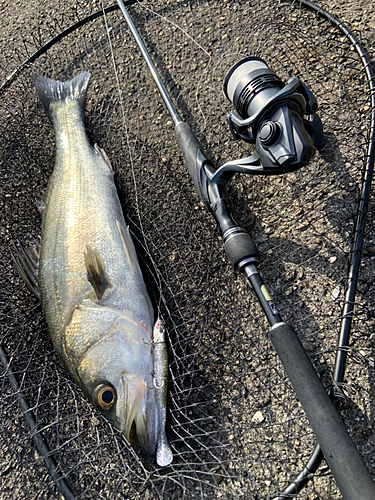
point(153, 270)
point(209, 445)
point(123, 115)
point(147, 8)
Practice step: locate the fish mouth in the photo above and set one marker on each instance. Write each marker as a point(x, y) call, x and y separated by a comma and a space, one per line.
point(140, 422)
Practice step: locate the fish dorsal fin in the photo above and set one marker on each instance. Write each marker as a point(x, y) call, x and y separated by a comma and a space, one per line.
point(103, 155)
point(96, 273)
point(128, 245)
point(26, 261)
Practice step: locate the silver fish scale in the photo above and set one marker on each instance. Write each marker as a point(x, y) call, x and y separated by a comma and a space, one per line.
point(82, 208)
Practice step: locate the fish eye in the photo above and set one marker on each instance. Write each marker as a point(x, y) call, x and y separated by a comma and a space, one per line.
point(104, 396)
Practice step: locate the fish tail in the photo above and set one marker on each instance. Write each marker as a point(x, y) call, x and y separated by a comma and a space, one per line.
point(53, 91)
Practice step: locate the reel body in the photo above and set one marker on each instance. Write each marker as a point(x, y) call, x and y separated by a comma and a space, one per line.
point(279, 119)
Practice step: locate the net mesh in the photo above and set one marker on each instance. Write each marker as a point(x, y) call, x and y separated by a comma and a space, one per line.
point(234, 424)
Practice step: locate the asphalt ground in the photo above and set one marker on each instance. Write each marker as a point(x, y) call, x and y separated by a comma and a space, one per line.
point(235, 425)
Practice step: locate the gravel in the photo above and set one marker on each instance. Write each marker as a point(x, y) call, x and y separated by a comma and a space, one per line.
point(234, 423)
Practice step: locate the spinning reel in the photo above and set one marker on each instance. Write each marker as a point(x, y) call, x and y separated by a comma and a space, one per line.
point(279, 119)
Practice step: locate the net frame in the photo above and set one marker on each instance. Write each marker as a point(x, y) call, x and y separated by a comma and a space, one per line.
point(216, 250)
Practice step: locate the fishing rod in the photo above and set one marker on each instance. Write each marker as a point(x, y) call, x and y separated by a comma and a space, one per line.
point(282, 122)
point(355, 258)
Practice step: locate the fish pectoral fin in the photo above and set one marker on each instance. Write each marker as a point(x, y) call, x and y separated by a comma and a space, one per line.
point(128, 246)
point(96, 273)
point(103, 155)
point(39, 200)
point(26, 261)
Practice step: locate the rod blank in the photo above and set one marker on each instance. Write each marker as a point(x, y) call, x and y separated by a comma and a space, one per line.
point(346, 464)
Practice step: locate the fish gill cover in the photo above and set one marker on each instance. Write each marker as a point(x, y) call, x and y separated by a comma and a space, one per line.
point(234, 424)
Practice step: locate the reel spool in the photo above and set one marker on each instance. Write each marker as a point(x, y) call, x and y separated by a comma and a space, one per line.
point(280, 119)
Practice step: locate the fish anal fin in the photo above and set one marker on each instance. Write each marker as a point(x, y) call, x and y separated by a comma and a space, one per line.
point(96, 273)
point(103, 155)
point(128, 246)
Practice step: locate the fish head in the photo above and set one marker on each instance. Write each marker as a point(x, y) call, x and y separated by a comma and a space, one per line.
point(116, 372)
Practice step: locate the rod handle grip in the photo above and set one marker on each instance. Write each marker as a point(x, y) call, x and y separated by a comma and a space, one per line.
point(194, 157)
point(346, 464)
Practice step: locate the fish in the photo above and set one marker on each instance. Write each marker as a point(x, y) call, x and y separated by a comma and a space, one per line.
point(90, 284)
